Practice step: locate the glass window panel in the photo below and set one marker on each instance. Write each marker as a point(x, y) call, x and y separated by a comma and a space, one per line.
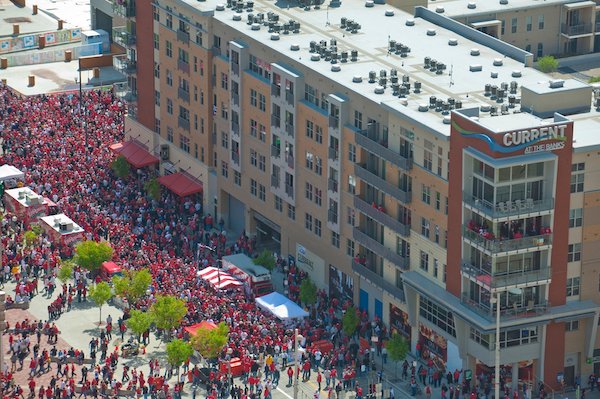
point(518, 172)
point(535, 169)
point(518, 192)
point(504, 174)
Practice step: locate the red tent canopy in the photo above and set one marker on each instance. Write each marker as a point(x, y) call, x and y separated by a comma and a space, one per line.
point(219, 278)
point(208, 325)
point(111, 267)
point(181, 184)
point(136, 154)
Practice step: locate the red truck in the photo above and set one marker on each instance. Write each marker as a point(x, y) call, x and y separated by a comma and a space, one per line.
point(256, 277)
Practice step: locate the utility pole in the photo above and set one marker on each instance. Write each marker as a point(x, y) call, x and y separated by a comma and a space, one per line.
point(497, 348)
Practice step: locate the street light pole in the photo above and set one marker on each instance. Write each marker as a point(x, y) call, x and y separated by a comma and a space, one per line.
point(497, 349)
point(297, 338)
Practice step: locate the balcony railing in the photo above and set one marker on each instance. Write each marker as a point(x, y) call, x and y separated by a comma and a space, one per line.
point(380, 249)
point(509, 208)
point(275, 151)
point(235, 128)
point(123, 37)
point(378, 280)
point(496, 245)
point(289, 129)
point(275, 90)
point(575, 30)
point(530, 308)
point(597, 27)
point(275, 120)
point(334, 122)
point(235, 157)
point(289, 190)
point(497, 280)
point(381, 217)
point(125, 8)
point(235, 68)
point(289, 158)
point(183, 123)
point(183, 36)
point(183, 66)
point(333, 153)
point(275, 181)
point(124, 65)
point(396, 192)
point(332, 185)
point(332, 215)
point(183, 94)
point(289, 97)
point(235, 97)
point(382, 150)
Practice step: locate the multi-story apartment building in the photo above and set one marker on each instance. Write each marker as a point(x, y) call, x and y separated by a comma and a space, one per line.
point(405, 162)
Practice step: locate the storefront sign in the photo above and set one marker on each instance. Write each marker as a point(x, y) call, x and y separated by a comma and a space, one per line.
point(434, 346)
point(312, 264)
point(399, 322)
point(341, 285)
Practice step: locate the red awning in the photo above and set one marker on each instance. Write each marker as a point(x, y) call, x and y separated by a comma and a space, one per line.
point(207, 325)
point(181, 184)
point(136, 154)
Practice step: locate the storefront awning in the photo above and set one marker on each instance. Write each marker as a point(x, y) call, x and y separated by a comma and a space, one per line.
point(181, 184)
point(136, 154)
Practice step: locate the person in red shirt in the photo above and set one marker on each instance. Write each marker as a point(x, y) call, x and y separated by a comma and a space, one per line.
point(290, 373)
point(319, 379)
point(32, 387)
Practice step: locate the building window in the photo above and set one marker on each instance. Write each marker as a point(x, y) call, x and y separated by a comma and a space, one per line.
point(319, 134)
point(577, 177)
point(351, 219)
point(503, 27)
point(253, 187)
point(253, 158)
point(351, 152)
point(541, 22)
point(440, 161)
point(156, 42)
point(427, 160)
point(529, 23)
point(253, 128)
point(169, 19)
point(262, 163)
point(170, 136)
point(514, 22)
point(349, 247)
point(574, 254)
point(424, 261)
point(309, 160)
point(425, 227)
point(573, 285)
point(358, 119)
point(291, 212)
point(253, 98)
point(156, 13)
point(308, 191)
point(224, 169)
point(157, 97)
point(224, 140)
point(351, 184)
point(436, 234)
point(318, 166)
point(426, 194)
point(528, 48)
point(318, 196)
point(436, 267)
point(335, 239)
point(278, 203)
point(308, 221)
point(575, 217)
point(438, 201)
point(169, 78)
point(572, 325)
point(262, 130)
point(310, 129)
point(262, 102)
point(437, 315)
point(184, 143)
point(169, 49)
point(169, 106)
point(311, 94)
point(318, 227)
point(262, 193)
point(237, 178)
point(540, 49)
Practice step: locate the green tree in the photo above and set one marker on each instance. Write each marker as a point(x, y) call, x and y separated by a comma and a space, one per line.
point(178, 351)
point(153, 188)
point(121, 167)
point(139, 322)
point(350, 321)
point(265, 259)
point(36, 228)
point(547, 64)
point(308, 292)
point(91, 254)
point(30, 238)
point(397, 348)
point(100, 294)
point(168, 311)
point(594, 79)
point(65, 273)
point(209, 343)
point(132, 285)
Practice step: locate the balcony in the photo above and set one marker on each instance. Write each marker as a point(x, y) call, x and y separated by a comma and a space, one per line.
point(289, 129)
point(334, 122)
point(377, 280)
point(235, 68)
point(396, 192)
point(183, 36)
point(275, 90)
point(381, 217)
point(183, 66)
point(123, 37)
point(235, 128)
point(576, 30)
point(289, 190)
point(380, 249)
point(509, 208)
point(332, 185)
point(275, 120)
point(183, 123)
point(332, 215)
point(183, 94)
point(216, 50)
point(124, 8)
point(518, 310)
point(235, 97)
point(525, 278)
point(382, 150)
point(275, 151)
point(124, 65)
point(289, 158)
point(275, 181)
point(289, 97)
point(235, 157)
point(494, 245)
point(333, 153)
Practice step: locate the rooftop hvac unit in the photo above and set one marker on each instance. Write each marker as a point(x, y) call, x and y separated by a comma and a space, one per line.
point(372, 76)
point(344, 56)
point(354, 55)
point(417, 87)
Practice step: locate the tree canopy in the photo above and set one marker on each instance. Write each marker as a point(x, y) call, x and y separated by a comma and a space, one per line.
point(139, 322)
point(178, 351)
point(350, 321)
point(153, 188)
point(548, 64)
point(30, 237)
point(209, 343)
point(65, 273)
point(265, 259)
point(121, 167)
point(100, 294)
point(308, 292)
point(168, 311)
point(91, 254)
point(133, 284)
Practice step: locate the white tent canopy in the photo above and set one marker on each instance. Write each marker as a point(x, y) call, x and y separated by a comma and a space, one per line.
point(8, 172)
point(280, 306)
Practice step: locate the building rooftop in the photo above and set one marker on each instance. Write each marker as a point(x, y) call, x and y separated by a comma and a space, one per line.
point(459, 8)
point(10, 14)
point(468, 65)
